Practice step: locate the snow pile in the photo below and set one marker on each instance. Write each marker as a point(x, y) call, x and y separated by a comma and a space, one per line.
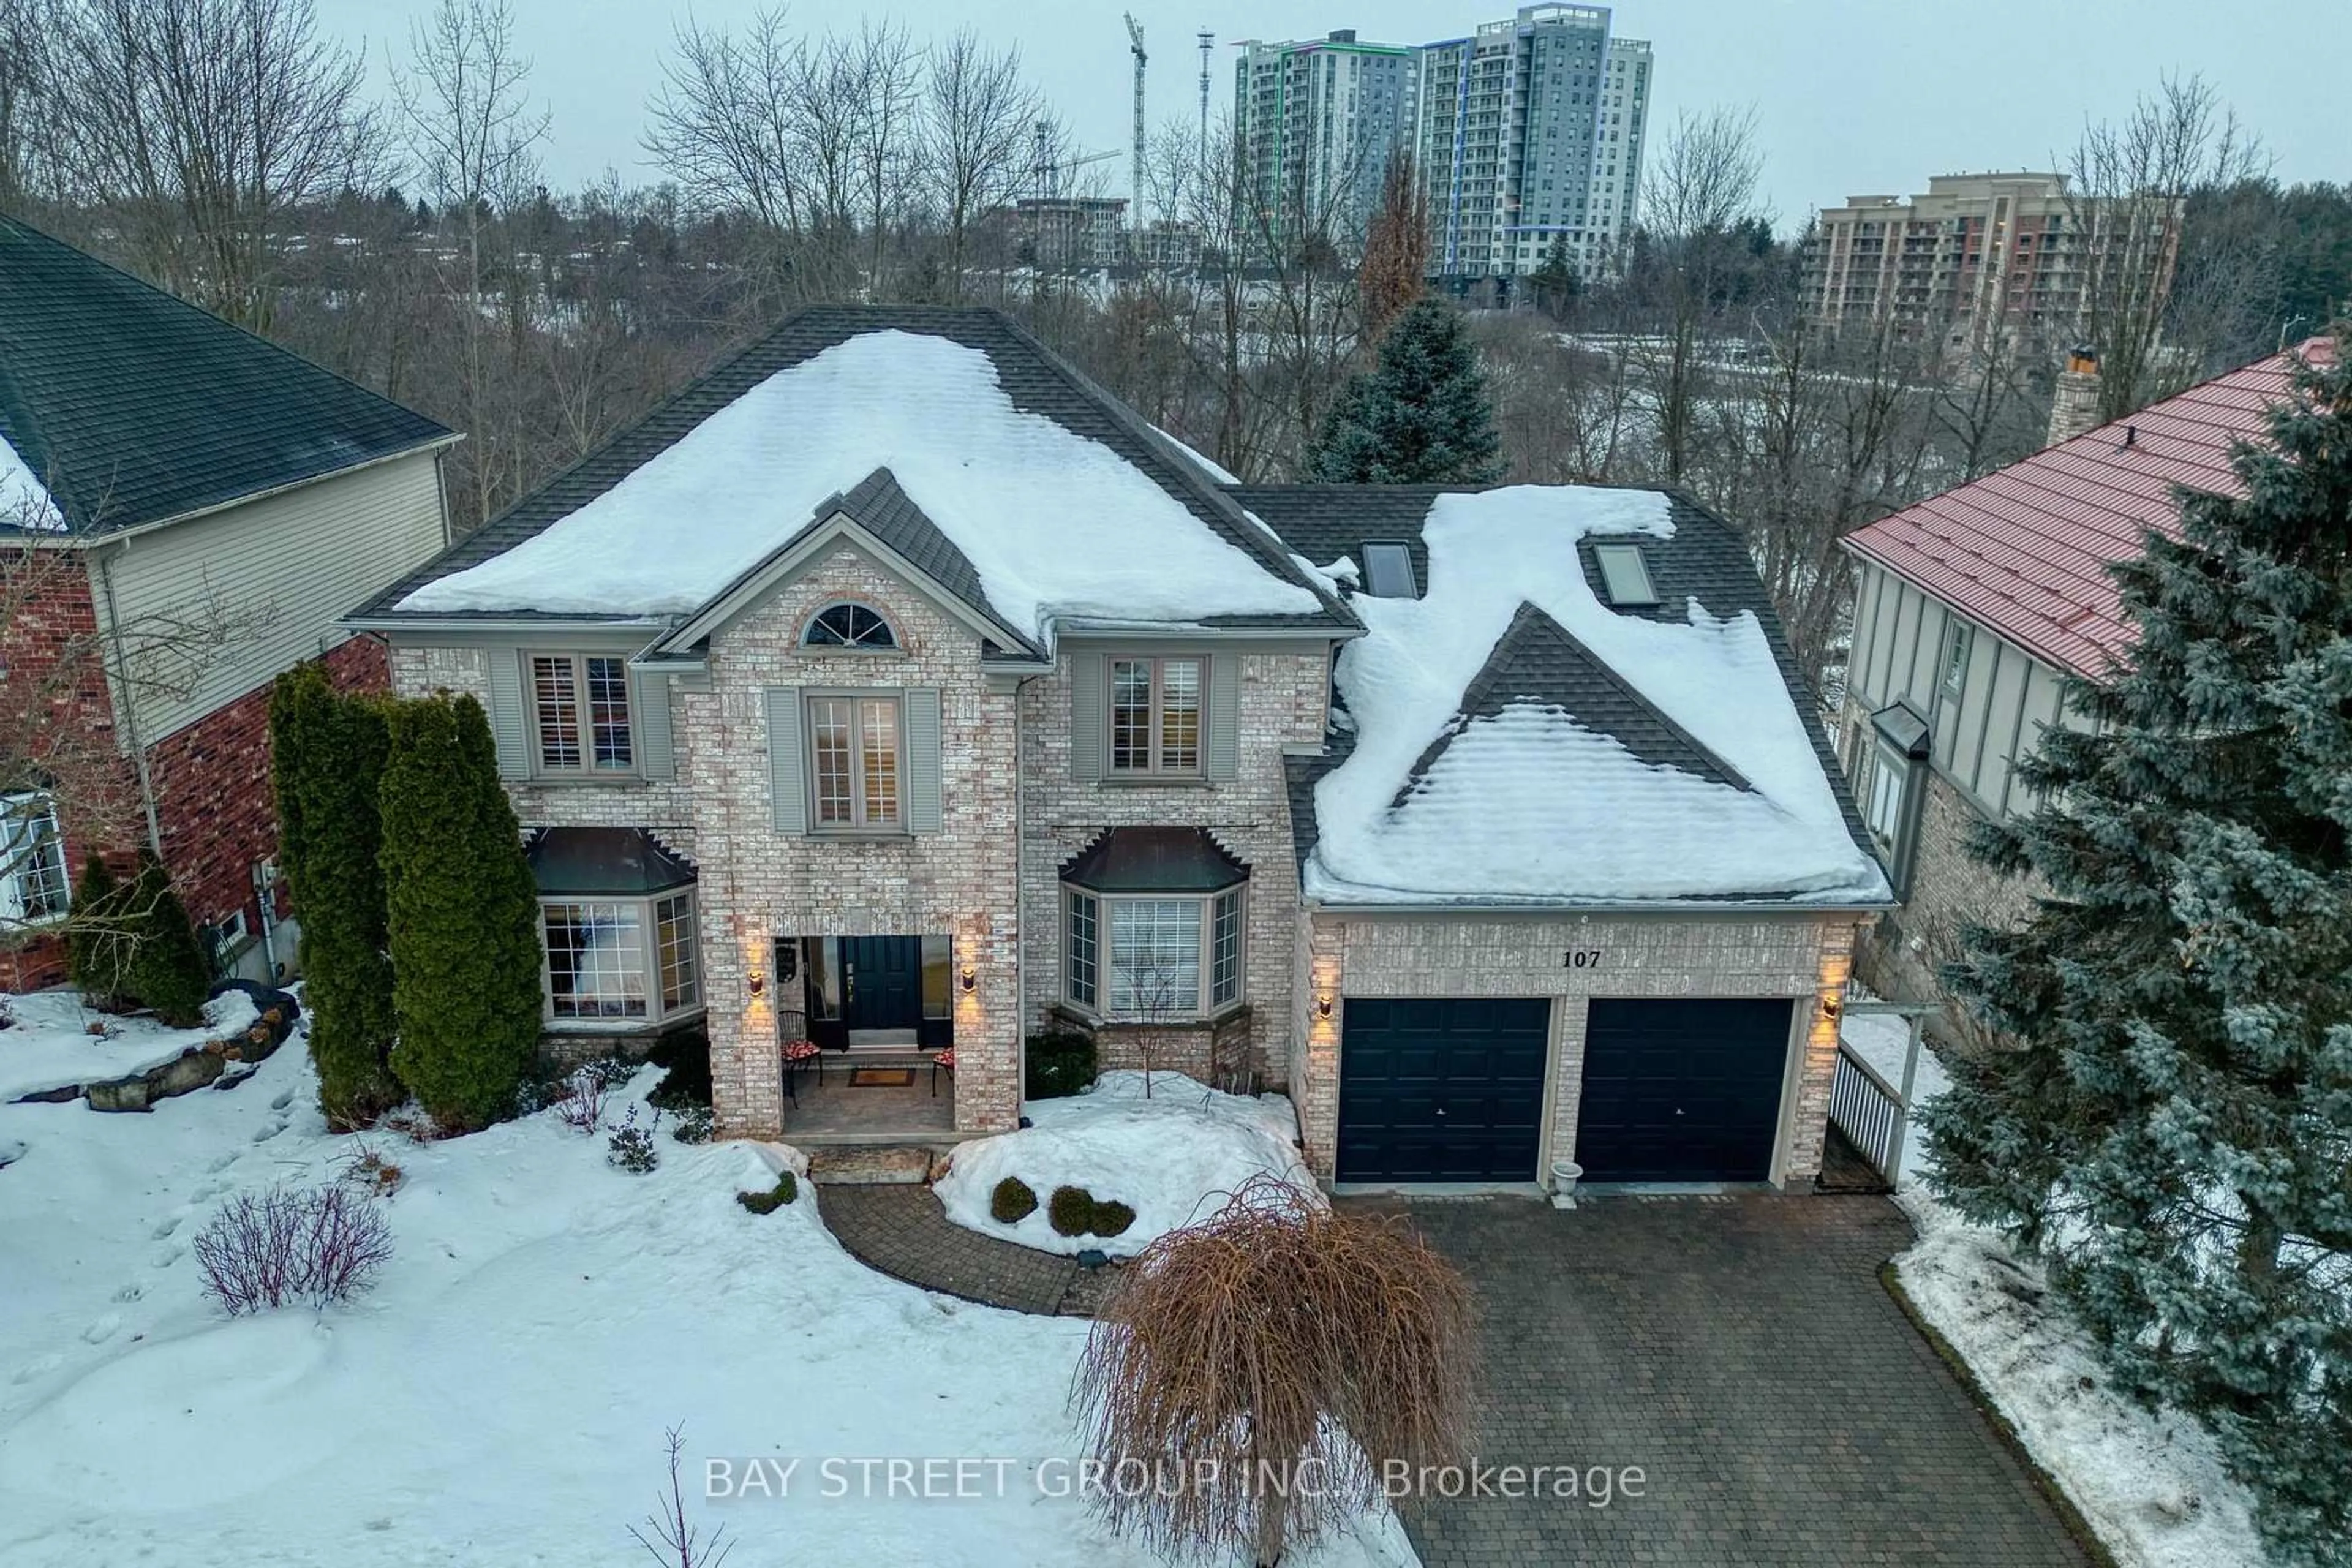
point(2151, 1485)
point(50, 1045)
point(1057, 524)
point(1170, 1156)
point(1532, 803)
point(500, 1396)
point(25, 502)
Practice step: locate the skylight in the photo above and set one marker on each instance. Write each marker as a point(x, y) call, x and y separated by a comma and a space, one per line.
point(1387, 572)
point(1624, 574)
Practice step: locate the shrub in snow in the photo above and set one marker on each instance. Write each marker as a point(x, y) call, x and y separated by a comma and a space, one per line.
point(1277, 1332)
point(685, 1059)
point(328, 751)
point(1011, 1201)
point(285, 1245)
point(98, 942)
point(580, 1102)
point(632, 1147)
point(2170, 1128)
point(693, 1125)
point(463, 916)
point(1071, 1211)
point(366, 1168)
point(1061, 1062)
point(167, 971)
point(787, 1189)
point(1111, 1218)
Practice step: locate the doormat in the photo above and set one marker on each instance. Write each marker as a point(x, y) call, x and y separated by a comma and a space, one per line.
point(881, 1078)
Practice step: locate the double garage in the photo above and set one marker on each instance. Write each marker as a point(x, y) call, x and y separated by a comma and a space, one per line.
point(1455, 1089)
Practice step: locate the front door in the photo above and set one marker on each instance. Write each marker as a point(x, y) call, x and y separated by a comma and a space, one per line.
point(882, 983)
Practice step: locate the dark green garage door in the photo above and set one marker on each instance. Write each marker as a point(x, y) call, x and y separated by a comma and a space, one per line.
point(1681, 1091)
point(1441, 1089)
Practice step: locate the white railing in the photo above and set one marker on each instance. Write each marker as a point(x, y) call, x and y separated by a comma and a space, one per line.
point(1874, 1114)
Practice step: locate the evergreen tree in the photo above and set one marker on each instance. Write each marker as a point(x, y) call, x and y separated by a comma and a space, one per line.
point(167, 971)
point(1420, 418)
point(464, 915)
point(97, 943)
point(328, 753)
point(2172, 1125)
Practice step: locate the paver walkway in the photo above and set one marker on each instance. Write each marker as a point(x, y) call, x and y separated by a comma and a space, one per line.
point(903, 1231)
point(1741, 1351)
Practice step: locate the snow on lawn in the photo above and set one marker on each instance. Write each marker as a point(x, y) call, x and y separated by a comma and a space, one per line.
point(1170, 1156)
point(2151, 1485)
point(501, 1397)
point(1055, 523)
point(50, 1045)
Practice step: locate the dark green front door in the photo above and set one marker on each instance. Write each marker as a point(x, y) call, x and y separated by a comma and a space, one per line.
point(882, 982)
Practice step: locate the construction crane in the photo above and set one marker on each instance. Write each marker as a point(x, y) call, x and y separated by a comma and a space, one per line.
point(1208, 46)
point(1049, 175)
point(1135, 46)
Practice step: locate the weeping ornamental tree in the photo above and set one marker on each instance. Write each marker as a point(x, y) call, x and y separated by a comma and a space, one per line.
point(328, 751)
point(2172, 1129)
point(1422, 416)
point(463, 915)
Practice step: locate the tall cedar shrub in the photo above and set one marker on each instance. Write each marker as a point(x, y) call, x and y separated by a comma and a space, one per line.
point(1420, 418)
point(2173, 1125)
point(463, 916)
point(97, 943)
point(167, 971)
point(327, 749)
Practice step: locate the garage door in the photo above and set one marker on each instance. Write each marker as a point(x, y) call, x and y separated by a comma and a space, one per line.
point(1681, 1091)
point(1441, 1089)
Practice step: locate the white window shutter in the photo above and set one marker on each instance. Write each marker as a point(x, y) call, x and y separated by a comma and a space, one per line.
point(787, 775)
point(1089, 694)
point(510, 724)
point(922, 709)
point(1225, 715)
point(656, 752)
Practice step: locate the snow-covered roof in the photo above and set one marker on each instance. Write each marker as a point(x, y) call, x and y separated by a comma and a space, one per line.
point(1516, 740)
point(1064, 504)
point(24, 501)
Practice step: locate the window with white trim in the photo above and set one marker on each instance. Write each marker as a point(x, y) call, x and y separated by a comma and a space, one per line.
point(856, 763)
point(851, 625)
point(1155, 714)
point(34, 887)
point(1146, 958)
point(580, 713)
point(619, 960)
point(1890, 772)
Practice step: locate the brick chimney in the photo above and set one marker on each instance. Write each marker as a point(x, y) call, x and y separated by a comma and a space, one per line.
point(2076, 407)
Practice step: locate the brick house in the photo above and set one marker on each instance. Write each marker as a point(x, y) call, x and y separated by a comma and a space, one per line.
point(895, 688)
point(1974, 611)
point(186, 509)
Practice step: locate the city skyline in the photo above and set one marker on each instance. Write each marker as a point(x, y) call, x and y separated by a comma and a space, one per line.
point(597, 61)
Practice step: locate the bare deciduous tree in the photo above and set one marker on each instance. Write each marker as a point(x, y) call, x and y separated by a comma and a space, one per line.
point(1395, 269)
point(1700, 186)
point(978, 120)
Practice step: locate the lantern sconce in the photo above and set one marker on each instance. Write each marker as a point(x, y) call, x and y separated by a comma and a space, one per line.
point(970, 978)
point(1831, 1005)
point(758, 983)
point(1323, 1003)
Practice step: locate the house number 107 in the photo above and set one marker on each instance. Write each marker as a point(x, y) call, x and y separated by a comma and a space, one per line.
point(1581, 958)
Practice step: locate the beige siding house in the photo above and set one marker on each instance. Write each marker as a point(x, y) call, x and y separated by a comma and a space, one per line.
point(894, 696)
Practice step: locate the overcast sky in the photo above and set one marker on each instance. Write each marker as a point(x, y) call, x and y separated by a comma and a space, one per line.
point(1851, 96)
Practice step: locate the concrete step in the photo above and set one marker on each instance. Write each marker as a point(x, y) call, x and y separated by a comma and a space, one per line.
point(871, 1164)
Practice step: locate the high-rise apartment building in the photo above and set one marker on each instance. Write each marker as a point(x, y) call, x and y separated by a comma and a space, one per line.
point(1317, 118)
point(1979, 259)
point(1530, 136)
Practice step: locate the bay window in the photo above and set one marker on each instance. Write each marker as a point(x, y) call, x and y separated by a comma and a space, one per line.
point(1135, 958)
point(620, 960)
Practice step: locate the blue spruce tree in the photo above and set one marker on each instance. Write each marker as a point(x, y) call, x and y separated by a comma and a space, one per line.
point(2170, 1119)
point(1420, 418)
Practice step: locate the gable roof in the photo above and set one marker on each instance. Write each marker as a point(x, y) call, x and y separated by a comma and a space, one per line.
point(2024, 551)
point(1512, 738)
point(697, 489)
point(128, 407)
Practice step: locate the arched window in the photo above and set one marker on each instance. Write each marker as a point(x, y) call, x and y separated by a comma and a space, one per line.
point(849, 625)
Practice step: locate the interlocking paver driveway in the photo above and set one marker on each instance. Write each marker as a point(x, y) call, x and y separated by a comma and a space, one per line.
point(1741, 1351)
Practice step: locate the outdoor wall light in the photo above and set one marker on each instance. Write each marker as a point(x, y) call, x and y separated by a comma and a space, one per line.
point(1323, 1004)
point(759, 984)
point(1831, 1005)
point(970, 980)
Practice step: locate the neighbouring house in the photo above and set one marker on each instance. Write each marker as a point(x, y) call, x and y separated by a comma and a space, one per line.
point(185, 509)
point(1974, 611)
point(896, 689)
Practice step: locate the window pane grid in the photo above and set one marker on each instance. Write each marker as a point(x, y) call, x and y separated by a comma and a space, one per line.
point(36, 886)
point(1082, 949)
point(881, 762)
point(1130, 714)
point(595, 960)
point(559, 713)
point(1155, 715)
point(1179, 715)
point(608, 710)
point(1225, 969)
point(829, 723)
point(1155, 957)
point(674, 927)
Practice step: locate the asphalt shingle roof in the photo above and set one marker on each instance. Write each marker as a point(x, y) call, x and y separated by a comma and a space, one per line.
point(131, 406)
point(1033, 378)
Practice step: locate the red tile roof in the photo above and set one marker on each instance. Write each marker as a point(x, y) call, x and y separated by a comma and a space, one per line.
point(2024, 550)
